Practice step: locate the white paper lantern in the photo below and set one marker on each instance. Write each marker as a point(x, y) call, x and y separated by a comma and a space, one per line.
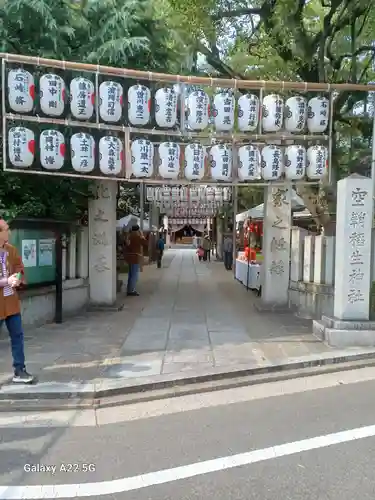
point(223, 111)
point(221, 162)
point(317, 158)
point(248, 112)
point(52, 94)
point(21, 90)
point(175, 194)
point(166, 194)
point(295, 114)
point(82, 98)
point(169, 160)
point(52, 149)
point(198, 110)
point(249, 163)
point(272, 113)
point(111, 96)
point(195, 194)
point(21, 147)
point(207, 194)
point(166, 107)
point(139, 105)
point(82, 152)
point(272, 163)
point(111, 155)
point(142, 159)
point(295, 162)
point(194, 161)
point(318, 114)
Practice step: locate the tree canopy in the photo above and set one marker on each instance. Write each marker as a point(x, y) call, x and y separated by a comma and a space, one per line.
point(124, 33)
point(303, 40)
point(300, 40)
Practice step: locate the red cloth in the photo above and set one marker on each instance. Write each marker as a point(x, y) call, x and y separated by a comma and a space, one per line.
point(250, 254)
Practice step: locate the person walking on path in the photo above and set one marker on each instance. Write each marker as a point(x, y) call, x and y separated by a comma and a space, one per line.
point(11, 270)
point(135, 244)
point(200, 253)
point(206, 243)
point(228, 252)
point(160, 250)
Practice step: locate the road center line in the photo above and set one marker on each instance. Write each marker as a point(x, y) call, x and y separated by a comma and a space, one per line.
point(186, 471)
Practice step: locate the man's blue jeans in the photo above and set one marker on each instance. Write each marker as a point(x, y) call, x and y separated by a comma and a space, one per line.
point(14, 326)
point(132, 277)
point(228, 260)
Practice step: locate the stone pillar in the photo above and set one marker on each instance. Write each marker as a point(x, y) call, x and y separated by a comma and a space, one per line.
point(329, 272)
point(324, 260)
point(319, 259)
point(276, 245)
point(83, 252)
point(296, 265)
point(219, 236)
point(72, 256)
point(353, 248)
point(168, 236)
point(308, 259)
point(350, 325)
point(102, 243)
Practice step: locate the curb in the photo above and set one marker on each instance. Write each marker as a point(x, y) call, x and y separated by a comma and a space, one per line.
point(109, 392)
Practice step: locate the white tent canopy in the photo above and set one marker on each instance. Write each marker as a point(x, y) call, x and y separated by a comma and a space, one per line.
point(258, 212)
point(132, 220)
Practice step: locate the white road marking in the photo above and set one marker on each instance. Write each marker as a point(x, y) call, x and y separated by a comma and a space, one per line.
point(41, 491)
point(150, 409)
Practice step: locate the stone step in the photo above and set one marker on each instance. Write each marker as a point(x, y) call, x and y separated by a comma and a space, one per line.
point(347, 325)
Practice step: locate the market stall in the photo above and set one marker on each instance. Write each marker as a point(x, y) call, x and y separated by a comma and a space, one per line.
point(248, 272)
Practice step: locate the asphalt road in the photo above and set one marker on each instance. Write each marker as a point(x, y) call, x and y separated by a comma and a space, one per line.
point(189, 440)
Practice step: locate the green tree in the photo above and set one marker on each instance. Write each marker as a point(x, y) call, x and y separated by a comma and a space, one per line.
point(123, 33)
point(314, 41)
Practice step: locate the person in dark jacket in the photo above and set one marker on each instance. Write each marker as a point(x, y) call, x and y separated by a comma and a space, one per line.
point(228, 252)
point(160, 250)
point(134, 246)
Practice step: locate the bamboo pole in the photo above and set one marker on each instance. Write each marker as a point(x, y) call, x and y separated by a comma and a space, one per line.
point(222, 137)
point(267, 85)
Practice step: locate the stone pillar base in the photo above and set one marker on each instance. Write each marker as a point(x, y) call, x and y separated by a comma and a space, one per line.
point(340, 333)
point(273, 307)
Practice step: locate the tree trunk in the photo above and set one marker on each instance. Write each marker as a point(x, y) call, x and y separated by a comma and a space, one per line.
point(318, 205)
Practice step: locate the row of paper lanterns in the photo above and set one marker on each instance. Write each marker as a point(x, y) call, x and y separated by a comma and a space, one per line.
point(293, 114)
point(211, 205)
point(268, 163)
point(194, 194)
point(194, 213)
point(176, 222)
point(188, 212)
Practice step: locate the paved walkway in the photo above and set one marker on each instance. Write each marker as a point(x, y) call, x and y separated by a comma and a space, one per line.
point(190, 317)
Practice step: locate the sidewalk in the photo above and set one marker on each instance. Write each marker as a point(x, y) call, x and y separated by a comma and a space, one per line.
point(191, 318)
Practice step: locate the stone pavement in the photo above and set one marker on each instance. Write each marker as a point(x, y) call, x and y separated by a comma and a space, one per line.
point(190, 317)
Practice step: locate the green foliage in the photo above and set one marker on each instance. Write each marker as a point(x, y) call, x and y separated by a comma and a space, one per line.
point(304, 40)
point(123, 33)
